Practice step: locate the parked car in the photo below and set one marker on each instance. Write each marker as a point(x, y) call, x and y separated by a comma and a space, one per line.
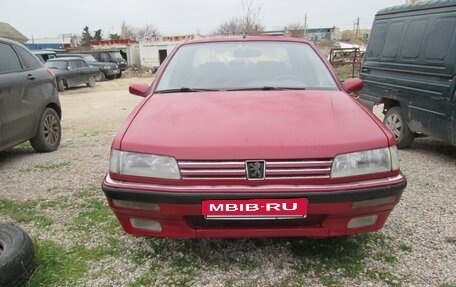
point(109, 70)
point(111, 57)
point(409, 67)
point(72, 71)
point(251, 137)
point(29, 102)
point(44, 55)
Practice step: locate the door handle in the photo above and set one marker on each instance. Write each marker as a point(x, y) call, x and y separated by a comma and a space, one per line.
point(31, 77)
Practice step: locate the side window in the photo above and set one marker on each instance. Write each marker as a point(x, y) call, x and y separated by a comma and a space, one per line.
point(440, 39)
point(104, 57)
point(413, 38)
point(72, 65)
point(9, 62)
point(29, 61)
point(393, 40)
point(84, 64)
point(78, 64)
point(376, 40)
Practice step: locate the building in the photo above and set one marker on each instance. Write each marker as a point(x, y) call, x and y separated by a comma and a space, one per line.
point(153, 51)
point(64, 41)
point(9, 32)
point(325, 34)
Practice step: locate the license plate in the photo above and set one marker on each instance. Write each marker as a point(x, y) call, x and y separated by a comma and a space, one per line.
point(255, 208)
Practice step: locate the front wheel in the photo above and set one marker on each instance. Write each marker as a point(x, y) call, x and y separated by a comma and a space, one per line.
point(119, 75)
point(395, 121)
point(49, 132)
point(91, 82)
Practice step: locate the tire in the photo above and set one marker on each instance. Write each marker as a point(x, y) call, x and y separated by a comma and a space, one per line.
point(396, 123)
point(119, 75)
point(49, 132)
point(111, 77)
point(60, 86)
point(91, 82)
point(17, 256)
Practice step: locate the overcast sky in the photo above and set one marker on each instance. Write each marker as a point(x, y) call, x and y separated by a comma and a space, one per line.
point(50, 18)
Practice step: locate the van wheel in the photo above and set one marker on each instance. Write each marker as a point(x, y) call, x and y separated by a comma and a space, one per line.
point(49, 132)
point(395, 122)
point(60, 86)
point(119, 75)
point(17, 256)
point(110, 77)
point(91, 82)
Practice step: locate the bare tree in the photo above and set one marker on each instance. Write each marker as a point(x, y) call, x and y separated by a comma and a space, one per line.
point(98, 35)
point(247, 23)
point(138, 33)
point(296, 30)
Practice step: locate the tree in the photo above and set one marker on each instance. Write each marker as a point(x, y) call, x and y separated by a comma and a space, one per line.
point(86, 37)
point(114, 36)
point(98, 36)
point(138, 33)
point(247, 23)
point(296, 30)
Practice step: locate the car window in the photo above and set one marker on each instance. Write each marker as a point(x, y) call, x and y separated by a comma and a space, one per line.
point(59, 65)
point(104, 56)
point(9, 61)
point(29, 61)
point(241, 65)
point(77, 63)
point(89, 58)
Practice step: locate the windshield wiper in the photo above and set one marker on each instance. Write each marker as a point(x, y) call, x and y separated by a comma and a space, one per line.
point(184, 90)
point(268, 88)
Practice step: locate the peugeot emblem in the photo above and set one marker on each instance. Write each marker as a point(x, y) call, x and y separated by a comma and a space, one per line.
point(255, 169)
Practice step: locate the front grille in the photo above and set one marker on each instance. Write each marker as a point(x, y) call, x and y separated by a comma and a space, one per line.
point(275, 169)
point(200, 222)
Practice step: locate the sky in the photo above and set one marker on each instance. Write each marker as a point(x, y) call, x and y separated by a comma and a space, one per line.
point(51, 18)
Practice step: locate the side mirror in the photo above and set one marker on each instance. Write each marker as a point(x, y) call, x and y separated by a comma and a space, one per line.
point(68, 68)
point(154, 70)
point(353, 85)
point(139, 89)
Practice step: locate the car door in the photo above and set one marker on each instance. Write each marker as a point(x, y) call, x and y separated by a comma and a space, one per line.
point(74, 74)
point(19, 101)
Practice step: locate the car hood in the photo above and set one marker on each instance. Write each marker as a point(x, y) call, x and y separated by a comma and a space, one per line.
point(252, 125)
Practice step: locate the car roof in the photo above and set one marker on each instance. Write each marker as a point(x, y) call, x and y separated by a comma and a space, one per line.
point(64, 59)
point(247, 38)
point(42, 52)
point(10, 41)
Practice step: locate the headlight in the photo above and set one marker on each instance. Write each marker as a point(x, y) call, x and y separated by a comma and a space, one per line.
point(107, 67)
point(140, 164)
point(365, 162)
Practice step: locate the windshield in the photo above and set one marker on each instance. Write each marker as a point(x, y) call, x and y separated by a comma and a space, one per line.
point(60, 65)
point(89, 58)
point(246, 65)
point(116, 55)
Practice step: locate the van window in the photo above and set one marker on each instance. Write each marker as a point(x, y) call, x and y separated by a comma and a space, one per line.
point(376, 40)
point(29, 61)
point(440, 39)
point(393, 39)
point(413, 38)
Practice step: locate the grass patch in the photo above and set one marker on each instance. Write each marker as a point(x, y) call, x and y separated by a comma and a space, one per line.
point(96, 215)
point(405, 248)
point(335, 258)
point(56, 266)
point(51, 166)
point(25, 212)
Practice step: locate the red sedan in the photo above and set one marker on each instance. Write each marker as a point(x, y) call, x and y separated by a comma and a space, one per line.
point(251, 137)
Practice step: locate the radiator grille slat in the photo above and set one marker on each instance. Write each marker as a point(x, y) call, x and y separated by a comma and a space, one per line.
point(275, 169)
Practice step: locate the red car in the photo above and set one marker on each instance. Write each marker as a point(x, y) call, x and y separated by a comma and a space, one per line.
point(251, 137)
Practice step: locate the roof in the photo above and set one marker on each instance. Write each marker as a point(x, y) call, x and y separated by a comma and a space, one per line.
point(247, 38)
point(417, 6)
point(64, 59)
point(9, 32)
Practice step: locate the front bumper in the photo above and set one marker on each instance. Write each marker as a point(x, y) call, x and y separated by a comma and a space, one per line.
point(110, 72)
point(180, 215)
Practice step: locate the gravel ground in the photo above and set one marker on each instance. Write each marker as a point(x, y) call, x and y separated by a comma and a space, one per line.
point(417, 247)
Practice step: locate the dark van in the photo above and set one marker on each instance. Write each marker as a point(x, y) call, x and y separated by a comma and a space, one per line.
point(111, 57)
point(409, 67)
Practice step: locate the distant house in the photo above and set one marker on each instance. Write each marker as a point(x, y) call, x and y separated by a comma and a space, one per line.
point(327, 34)
point(9, 32)
point(64, 41)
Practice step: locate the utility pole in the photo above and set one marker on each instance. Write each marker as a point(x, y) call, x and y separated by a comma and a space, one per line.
point(305, 26)
point(356, 24)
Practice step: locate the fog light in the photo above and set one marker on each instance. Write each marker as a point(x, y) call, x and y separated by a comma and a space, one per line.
point(151, 225)
point(362, 221)
point(374, 202)
point(136, 204)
